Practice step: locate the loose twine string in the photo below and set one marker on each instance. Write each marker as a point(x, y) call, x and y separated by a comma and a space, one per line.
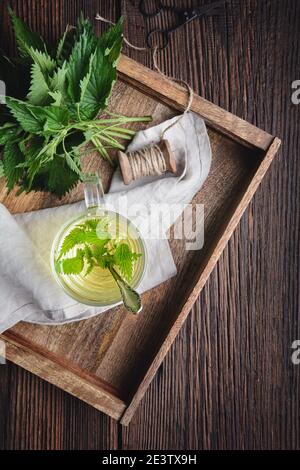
point(150, 160)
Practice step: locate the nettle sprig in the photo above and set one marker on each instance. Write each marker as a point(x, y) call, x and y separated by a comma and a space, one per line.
point(47, 123)
point(91, 245)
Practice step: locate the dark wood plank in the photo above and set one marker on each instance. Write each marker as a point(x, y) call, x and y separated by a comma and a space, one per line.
point(228, 381)
point(36, 415)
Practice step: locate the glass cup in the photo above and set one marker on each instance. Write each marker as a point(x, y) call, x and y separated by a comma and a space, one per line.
point(98, 288)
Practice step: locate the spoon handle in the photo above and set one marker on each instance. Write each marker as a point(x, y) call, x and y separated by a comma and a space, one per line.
point(131, 298)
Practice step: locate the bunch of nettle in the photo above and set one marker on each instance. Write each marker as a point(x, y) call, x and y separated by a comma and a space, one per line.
point(55, 98)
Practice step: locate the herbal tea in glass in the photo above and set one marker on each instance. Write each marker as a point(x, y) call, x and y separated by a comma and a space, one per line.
point(98, 258)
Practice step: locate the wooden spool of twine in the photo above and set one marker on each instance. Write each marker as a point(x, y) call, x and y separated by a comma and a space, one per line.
point(156, 159)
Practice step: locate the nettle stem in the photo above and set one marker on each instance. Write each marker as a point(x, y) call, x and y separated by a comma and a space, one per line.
point(106, 131)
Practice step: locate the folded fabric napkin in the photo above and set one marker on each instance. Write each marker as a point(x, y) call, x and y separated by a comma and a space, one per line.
point(28, 290)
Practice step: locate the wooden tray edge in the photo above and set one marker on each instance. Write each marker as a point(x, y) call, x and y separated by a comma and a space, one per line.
point(214, 255)
point(78, 384)
point(175, 96)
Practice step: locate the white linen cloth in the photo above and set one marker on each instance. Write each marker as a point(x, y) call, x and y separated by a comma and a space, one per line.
point(28, 290)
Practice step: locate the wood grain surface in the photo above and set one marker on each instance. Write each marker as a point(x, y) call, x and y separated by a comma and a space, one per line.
point(228, 381)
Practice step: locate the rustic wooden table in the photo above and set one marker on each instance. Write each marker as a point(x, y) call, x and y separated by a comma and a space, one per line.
point(228, 381)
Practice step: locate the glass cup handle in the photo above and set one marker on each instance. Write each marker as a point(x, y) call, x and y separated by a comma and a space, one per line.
point(93, 190)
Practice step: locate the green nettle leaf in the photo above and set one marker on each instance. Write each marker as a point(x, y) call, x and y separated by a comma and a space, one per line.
point(54, 177)
point(56, 118)
point(111, 41)
point(74, 238)
point(9, 132)
point(90, 224)
point(24, 114)
point(30, 150)
point(58, 81)
point(80, 236)
point(84, 234)
point(84, 26)
point(43, 60)
point(85, 81)
point(98, 87)
point(90, 262)
point(78, 66)
point(74, 164)
point(102, 258)
point(39, 88)
point(43, 84)
point(12, 157)
point(124, 259)
point(65, 44)
point(60, 179)
point(57, 98)
point(25, 37)
point(73, 265)
point(94, 239)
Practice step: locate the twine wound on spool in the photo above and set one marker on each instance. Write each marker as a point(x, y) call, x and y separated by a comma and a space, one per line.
point(156, 159)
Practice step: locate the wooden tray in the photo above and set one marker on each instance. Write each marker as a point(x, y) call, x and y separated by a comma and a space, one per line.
point(109, 361)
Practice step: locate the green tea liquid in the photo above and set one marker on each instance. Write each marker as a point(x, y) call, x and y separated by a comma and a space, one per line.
point(99, 287)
